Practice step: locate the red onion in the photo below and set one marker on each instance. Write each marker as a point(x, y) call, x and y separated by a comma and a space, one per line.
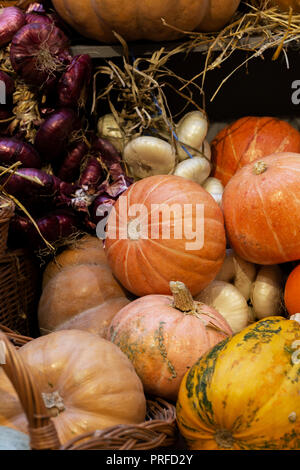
point(30, 183)
point(36, 7)
point(104, 201)
point(54, 226)
point(91, 176)
point(8, 82)
point(70, 168)
point(73, 85)
point(109, 156)
point(39, 52)
point(53, 135)
point(38, 18)
point(11, 20)
point(13, 150)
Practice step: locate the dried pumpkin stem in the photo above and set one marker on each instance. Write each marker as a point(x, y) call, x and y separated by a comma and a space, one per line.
point(182, 297)
point(259, 167)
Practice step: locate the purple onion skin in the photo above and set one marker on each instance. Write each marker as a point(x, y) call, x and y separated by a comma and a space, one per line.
point(109, 155)
point(36, 195)
point(54, 226)
point(11, 20)
point(13, 150)
point(27, 48)
point(73, 86)
point(91, 176)
point(9, 83)
point(70, 168)
point(53, 135)
point(38, 18)
point(102, 200)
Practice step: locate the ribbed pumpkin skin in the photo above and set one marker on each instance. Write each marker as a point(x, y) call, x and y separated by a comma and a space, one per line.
point(262, 212)
point(248, 139)
point(163, 342)
point(146, 266)
point(141, 19)
point(244, 393)
point(96, 381)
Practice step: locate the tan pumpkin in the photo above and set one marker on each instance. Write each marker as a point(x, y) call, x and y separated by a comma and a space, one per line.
point(163, 336)
point(68, 298)
point(87, 384)
point(141, 19)
point(87, 250)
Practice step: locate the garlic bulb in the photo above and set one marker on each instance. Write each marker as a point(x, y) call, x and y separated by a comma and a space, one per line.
point(266, 292)
point(245, 274)
point(228, 301)
point(239, 272)
point(196, 169)
point(109, 129)
point(191, 132)
point(206, 149)
point(227, 271)
point(148, 156)
point(215, 188)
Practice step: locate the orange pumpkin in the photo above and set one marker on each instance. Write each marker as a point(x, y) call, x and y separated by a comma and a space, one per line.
point(292, 292)
point(163, 336)
point(82, 297)
point(148, 248)
point(87, 384)
point(261, 206)
point(248, 139)
point(141, 19)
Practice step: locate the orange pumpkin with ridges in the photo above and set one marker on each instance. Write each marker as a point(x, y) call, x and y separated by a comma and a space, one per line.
point(180, 235)
point(261, 205)
point(292, 292)
point(248, 139)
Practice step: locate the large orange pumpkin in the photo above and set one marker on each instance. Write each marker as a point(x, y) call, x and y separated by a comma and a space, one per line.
point(87, 384)
point(163, 336)
point(261, 206)
point(244, 393)
point(248, 139)
point(141, 19)
point(146, 250)
point(292, 292)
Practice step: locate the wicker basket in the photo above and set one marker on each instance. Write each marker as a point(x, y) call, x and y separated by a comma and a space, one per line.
point(7, 209)
point(19, 291)
point(159, 430)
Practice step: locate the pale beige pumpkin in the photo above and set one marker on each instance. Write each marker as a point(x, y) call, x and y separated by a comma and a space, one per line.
point(87, 250)
point(90, 382)
point(163, 336)
point(141, 19)
point(76, 289)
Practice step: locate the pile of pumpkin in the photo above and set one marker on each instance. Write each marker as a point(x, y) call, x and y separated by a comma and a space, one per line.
point(192, 335)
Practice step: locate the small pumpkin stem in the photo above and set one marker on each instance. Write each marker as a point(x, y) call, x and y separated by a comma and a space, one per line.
point(259, 167)
point(182, 297)
point(53, 402)
point(224, 439)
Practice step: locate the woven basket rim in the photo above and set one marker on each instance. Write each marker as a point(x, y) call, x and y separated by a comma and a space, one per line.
point(158, 430)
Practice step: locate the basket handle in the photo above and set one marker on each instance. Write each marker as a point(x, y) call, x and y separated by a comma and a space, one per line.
point(42, 432)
